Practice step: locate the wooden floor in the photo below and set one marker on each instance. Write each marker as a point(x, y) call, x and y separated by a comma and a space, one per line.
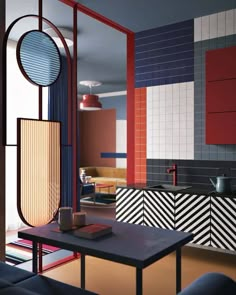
point(109, 278)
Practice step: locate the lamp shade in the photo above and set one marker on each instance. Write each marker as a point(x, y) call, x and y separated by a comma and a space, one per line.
point(90, 103)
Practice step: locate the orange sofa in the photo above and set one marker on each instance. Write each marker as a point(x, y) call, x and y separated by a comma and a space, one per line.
point(106, 175)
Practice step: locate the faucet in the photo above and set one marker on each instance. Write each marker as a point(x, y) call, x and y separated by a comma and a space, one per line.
point(173, 170)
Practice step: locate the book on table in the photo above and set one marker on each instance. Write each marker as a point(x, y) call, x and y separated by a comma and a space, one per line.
point(93, 231)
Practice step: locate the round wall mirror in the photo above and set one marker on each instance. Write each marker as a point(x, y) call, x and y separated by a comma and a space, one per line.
point(38, 58)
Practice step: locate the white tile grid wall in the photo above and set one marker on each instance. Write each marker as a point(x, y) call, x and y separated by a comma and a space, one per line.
point(215, 25)
point(170, 121)
point(121, 142)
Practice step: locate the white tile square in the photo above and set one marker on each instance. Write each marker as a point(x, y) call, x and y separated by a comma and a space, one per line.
point(235, 21)
point(190, 85)
point(150, 155)
point(182, 138)
point(162, 155)
point(169, 140)
point(182, 154)
point(169, 124)
point(162, 92)
point(205, 28)
point(156, 90)
point(175, 154)
point(230, 22)
point(197, 29)
point(221, 24)
point(213, 26)
point(176, 141)
point(169, 155)
point(189, 156)
point(183, 110)
point(190, 140)
point(189, 133)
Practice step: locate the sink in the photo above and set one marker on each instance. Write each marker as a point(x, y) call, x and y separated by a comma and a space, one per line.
point(167, 187)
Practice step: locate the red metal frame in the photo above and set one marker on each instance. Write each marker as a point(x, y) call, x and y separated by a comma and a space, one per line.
point(130, 110)
point(130, 80)
point(68, 61)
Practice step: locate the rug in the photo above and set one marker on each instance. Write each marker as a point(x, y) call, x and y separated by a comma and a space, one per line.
point(21, 251)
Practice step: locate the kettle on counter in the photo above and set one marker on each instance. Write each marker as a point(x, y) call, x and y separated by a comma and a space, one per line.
point(223, 184)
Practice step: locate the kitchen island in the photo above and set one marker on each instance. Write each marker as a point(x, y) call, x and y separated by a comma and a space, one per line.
point(209, 215)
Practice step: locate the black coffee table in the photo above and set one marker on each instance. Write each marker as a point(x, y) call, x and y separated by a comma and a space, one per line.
point(130, 244)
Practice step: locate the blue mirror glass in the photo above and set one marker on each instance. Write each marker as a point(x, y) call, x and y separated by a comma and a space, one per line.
point(38, 58)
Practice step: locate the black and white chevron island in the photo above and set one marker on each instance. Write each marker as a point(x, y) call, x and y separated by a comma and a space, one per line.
point(211, 218)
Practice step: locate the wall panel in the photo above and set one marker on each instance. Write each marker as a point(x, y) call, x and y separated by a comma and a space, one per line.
point(97, 135)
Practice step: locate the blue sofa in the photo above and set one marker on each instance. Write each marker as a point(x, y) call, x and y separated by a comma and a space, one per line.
point(212, 283)
point(16, 281)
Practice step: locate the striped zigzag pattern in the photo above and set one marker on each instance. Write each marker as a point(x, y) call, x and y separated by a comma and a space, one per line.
point(223, 223)
point(159, 209)
point(193, 215)
point(129, 205)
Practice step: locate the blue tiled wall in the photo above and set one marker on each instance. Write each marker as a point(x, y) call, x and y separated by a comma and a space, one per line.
point(164, 55)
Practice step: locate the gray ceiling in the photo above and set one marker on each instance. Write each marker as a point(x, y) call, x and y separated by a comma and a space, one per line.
point(101, 49)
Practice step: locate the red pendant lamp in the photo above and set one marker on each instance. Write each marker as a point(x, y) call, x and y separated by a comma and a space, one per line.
point(90, 101)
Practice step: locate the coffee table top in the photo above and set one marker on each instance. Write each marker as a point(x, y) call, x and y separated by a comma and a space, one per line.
point(129, 244)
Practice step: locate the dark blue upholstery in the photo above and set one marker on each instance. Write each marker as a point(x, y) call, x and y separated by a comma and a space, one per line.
point(13, 290)
point(211, 284)
point(13, 274)
point(4, 283)
point(16, 281)
point(48, 286)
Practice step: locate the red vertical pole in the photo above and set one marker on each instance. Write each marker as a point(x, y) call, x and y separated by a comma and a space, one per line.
point(130, 108)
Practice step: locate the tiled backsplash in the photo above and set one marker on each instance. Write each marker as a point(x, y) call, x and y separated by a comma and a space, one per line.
point(190, 172)
point(170, 65)
point(170, 128)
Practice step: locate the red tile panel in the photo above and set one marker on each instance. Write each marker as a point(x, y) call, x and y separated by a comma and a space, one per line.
point(140, 135)
point(221, 64)
point(220, 128)
point(221, 96)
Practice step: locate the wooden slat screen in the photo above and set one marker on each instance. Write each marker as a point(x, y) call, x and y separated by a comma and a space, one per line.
point(39, 171)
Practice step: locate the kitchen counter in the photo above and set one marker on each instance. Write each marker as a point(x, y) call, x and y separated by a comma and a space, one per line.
point(210, 216)
point(193, 189)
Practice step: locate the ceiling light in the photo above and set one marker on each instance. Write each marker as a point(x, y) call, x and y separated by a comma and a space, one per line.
point(67, 34)
point(90, 101)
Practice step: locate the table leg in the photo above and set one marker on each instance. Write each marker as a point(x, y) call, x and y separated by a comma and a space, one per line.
point(139, 281)
point(82, 270)
point(35, 256)
point(40, 247)
point(178, 270)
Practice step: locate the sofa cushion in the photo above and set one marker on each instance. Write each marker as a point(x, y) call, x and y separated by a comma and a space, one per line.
point(89, 171)
point(211, 284)
point(47, 286)
point(106, 175)
point(4, 284)
point(14, 290)
point(13, 274)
